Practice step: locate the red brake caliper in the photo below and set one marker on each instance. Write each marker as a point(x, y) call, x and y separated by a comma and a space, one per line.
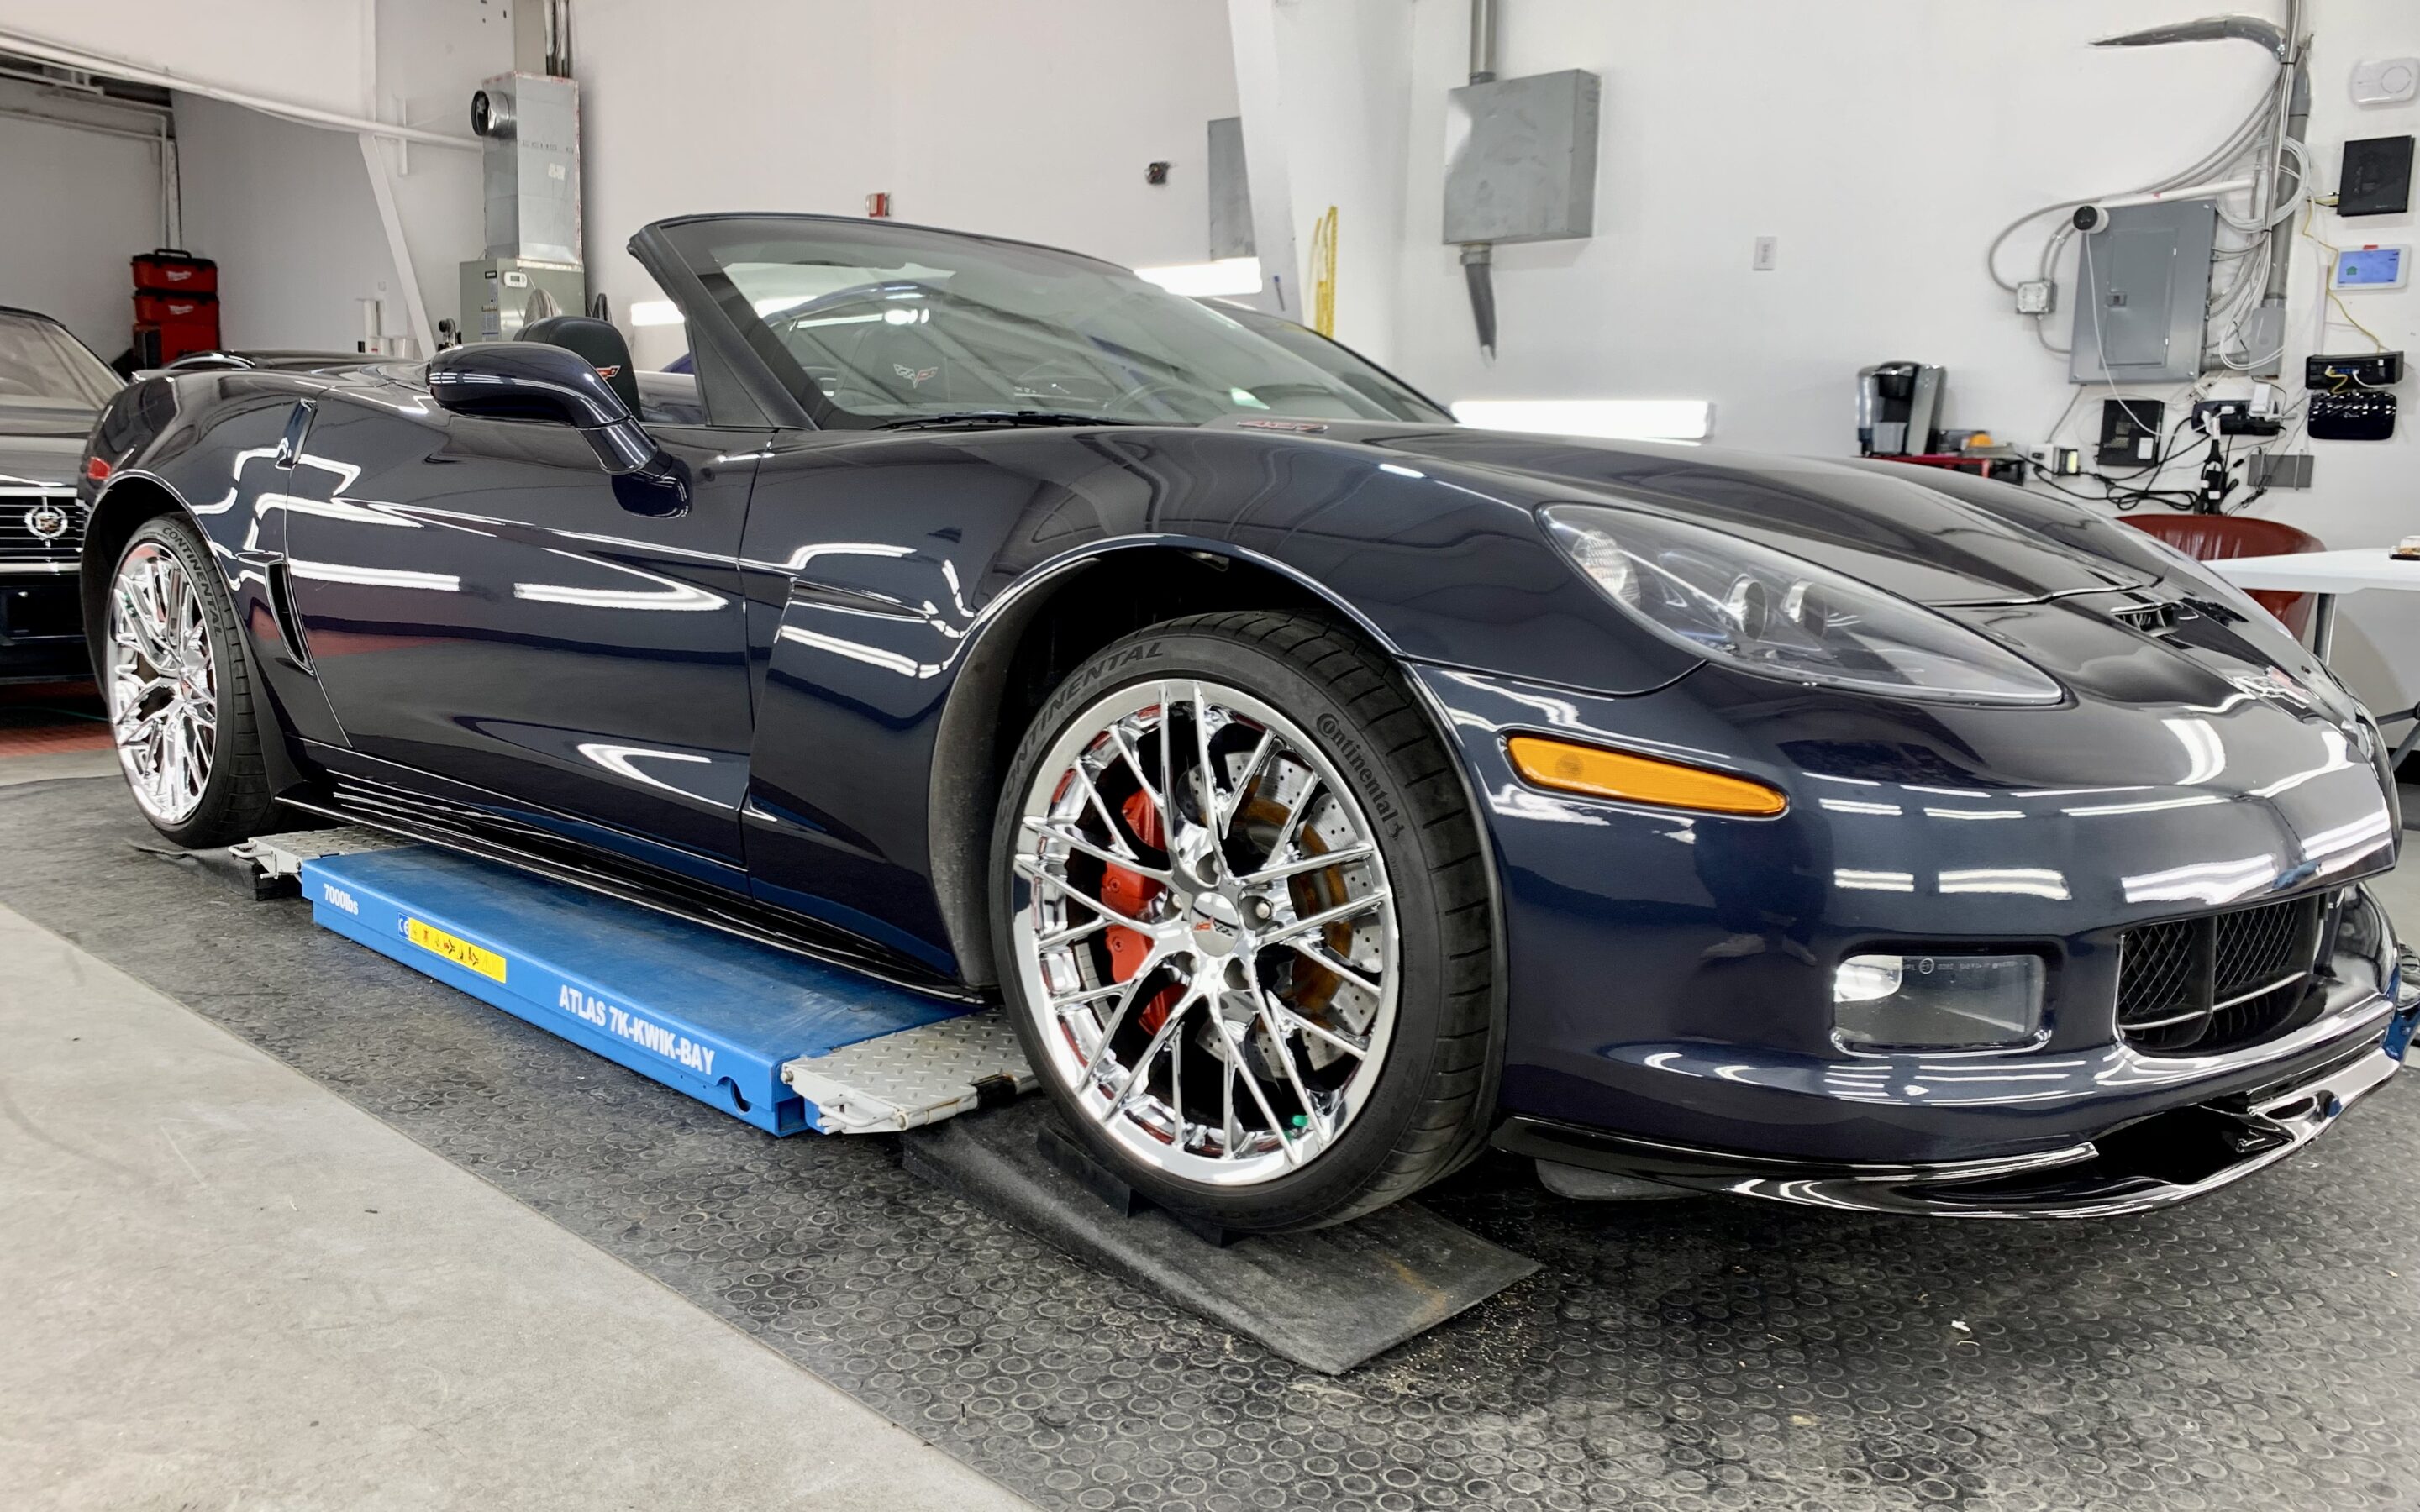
point(1130, 894)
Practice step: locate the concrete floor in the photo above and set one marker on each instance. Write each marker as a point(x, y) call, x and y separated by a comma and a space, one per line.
point(226, 1286)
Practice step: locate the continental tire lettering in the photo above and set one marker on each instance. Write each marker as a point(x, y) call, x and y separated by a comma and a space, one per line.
point(1365, 773)
point(1090, 677)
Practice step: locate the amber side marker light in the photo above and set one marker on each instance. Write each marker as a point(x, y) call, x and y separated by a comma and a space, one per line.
point(1599, 773)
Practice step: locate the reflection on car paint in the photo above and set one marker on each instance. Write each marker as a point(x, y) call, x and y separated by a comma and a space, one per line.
point(337, 572)
point(621, 760)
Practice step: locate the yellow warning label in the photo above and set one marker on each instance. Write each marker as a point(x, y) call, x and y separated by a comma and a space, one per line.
point(462, 952)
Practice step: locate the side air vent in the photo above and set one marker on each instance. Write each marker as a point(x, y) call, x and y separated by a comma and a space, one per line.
point(2152, 618)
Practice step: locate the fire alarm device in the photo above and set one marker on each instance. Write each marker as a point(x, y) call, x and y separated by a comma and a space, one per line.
point(2371, 268)
point(877, 206)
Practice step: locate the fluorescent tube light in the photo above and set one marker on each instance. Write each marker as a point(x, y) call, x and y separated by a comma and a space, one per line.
point(1228, 276)
point(655, 312)
point(1675, 419)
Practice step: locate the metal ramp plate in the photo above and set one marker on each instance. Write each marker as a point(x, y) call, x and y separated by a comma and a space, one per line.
point(283, 854)
point(915, 1077)
point(694, 1009)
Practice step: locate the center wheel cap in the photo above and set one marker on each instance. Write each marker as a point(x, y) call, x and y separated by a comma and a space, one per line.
point(1214, 923)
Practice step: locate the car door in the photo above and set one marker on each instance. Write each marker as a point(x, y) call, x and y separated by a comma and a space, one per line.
point(500, 622)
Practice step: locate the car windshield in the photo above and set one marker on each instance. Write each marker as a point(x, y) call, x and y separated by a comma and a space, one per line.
point(41, 364)
point(1399, 399)
point(872, 324)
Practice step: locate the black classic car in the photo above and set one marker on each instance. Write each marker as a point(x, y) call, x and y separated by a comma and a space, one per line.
point(52, 388)
point(1325, 790)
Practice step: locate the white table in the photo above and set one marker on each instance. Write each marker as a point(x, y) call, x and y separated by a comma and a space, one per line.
point(2324, 574)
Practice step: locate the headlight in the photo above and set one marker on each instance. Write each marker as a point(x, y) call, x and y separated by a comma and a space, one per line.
point(1937, 1002)
point(1762, 610)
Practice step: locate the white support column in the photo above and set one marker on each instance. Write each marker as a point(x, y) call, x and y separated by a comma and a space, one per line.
point(383, 189)
point(1325, 91)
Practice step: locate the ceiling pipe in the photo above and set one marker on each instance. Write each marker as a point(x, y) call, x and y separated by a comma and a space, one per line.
point(1479, 257)
point(327, 121)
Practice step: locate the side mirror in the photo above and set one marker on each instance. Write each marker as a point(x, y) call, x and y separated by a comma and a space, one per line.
point(530, 380)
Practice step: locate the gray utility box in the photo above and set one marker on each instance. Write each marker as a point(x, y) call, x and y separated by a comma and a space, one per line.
point(1520, 159)
point(530, 131)
point(500, 295)
point(2143, 294)
point(1231, 191)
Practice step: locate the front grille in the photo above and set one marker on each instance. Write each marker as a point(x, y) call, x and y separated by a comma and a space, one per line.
point(2200, 985)
point(21, 545)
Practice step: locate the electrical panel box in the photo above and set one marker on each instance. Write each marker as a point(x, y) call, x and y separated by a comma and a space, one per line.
point(1231, 191)
point(2143, 290)
point(528, 127)
point(1520, 159)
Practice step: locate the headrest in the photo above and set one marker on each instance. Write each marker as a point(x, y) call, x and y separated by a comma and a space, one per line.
point(596, 341)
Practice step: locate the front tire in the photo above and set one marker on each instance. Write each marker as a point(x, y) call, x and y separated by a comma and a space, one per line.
point(180, 692)
point(1243, 921)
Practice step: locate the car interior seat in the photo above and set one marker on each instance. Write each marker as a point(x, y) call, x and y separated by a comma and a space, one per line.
point(599, 343)
point(2218, 537)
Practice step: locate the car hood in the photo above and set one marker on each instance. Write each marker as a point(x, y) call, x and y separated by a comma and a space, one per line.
point(42, 446)
point(1923, 533)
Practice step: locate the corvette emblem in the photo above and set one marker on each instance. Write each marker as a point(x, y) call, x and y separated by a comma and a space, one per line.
point(916, 377)
point(47, 522)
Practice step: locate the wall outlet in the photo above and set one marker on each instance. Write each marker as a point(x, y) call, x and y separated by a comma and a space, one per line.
point(1768, 255)
point(2037, 295)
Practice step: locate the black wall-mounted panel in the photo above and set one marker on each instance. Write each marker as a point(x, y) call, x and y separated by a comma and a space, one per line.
point(2376, 178)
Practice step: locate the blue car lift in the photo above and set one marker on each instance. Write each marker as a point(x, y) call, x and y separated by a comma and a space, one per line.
point(786, 1044)
point(778, 1041)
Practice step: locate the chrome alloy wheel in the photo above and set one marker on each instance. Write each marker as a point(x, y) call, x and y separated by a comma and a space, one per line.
point(1204, 932)
point(162, 683)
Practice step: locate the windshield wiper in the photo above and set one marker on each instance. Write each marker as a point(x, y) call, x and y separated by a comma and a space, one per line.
point(1001, 417)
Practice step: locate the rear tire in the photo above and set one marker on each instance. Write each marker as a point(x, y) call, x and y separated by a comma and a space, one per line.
point(1311, 746)
point(179, 691)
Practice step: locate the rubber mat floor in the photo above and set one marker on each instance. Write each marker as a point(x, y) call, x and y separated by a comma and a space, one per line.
point(2257, 1348)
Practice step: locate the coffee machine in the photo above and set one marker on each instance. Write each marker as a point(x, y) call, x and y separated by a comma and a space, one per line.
point(1899, 409)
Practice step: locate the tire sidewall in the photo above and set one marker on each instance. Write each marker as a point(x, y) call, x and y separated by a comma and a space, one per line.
point(172, 533)
point(1401, 1091)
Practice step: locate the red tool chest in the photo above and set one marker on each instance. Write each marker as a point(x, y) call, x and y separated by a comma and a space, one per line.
point(176, 306)
point(175, 270)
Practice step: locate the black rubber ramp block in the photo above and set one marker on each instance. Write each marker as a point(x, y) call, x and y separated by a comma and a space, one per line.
point(1327, 1300)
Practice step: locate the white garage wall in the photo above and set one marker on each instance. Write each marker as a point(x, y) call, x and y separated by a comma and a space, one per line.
point(1884, 143)
point(304, 50)
point(287, 209)
point(1030, 120)
point(287, 212)
point(74, 206)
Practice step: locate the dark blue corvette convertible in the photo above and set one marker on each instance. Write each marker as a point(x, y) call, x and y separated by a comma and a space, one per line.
point(1327, 791)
